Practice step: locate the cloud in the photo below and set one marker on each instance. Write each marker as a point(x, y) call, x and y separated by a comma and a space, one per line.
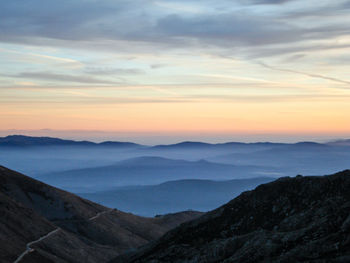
point(261, 52)
point(229, 30)
point(312, 75)
point(157, 66)
point(271, 98)
point(323, 9)
point(113, 71)
point(34, 58)
point(62, 78)
point(142, 25)
point(266, 2)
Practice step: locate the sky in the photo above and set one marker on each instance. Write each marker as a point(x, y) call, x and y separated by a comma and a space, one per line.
point(173, 70)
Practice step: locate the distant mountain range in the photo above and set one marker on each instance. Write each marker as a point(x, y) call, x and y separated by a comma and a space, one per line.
point(40, 223)
point(174, 196)
point(148, 171)
point(301, 158)
point(301, 219)
point(340, 143)
point(22, 141)
point(27, 141)
point(67, 163)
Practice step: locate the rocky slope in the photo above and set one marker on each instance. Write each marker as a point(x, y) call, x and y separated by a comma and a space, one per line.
point(82, 231)
point(301, 219)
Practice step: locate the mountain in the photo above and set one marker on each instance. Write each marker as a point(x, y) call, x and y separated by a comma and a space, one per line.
point(27, 141)
point(148, 171)
point(301, 219)
point(174, 196)
point(36, 156)
point(199, 150)
point(202, 145)
point(40, 223)
point(300, 158)
point(212, 152)
point(186, 144)
point(340, 143)
point(22, 140)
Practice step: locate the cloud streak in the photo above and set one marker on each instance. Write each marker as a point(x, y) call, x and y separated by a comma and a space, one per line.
point(113, 71)
point(311, 75)
point(49, 76)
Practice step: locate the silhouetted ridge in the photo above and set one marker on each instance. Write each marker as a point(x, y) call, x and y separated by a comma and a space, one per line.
point(203, 145)
point(27, 141)
point(186, 144)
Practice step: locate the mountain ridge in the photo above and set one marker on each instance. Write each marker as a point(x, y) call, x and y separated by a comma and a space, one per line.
point(24, 140)
point(30, 141)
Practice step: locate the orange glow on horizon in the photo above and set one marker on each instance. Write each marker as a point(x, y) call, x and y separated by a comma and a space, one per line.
point(318, 117)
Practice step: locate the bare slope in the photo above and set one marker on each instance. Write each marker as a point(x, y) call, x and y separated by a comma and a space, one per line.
point(86, 231)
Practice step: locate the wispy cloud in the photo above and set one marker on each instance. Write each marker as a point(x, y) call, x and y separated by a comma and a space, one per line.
point(49, 76)
point(266, 2)
point(311, 75)
point(113, 71)
point(34, 57)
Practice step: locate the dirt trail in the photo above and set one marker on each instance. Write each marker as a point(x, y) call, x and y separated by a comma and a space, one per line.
point(29, 249)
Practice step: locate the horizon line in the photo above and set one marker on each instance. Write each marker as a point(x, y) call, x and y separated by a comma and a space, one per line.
point(178, 142)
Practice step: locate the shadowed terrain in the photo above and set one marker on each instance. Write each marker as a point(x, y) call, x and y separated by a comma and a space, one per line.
point(301, 219)
point(86, 231)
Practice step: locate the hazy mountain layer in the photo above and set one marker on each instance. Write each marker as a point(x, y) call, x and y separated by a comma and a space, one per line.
point(148, 171)
point(36, 156)
point(174, 196)
point(300, 158)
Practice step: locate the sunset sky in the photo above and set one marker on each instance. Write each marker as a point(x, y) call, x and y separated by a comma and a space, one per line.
point(176, 69)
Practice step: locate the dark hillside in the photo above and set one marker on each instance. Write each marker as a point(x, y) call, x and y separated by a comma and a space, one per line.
point(56, 226)
point(302, 219)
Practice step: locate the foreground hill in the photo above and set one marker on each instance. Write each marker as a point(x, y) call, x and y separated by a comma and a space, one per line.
point(45, 224)
point(174, 196)
point(149, 170)
point(302, 219)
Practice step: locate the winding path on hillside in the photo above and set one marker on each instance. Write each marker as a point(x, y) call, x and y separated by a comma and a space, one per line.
point(100, 213)
point(29, 249)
